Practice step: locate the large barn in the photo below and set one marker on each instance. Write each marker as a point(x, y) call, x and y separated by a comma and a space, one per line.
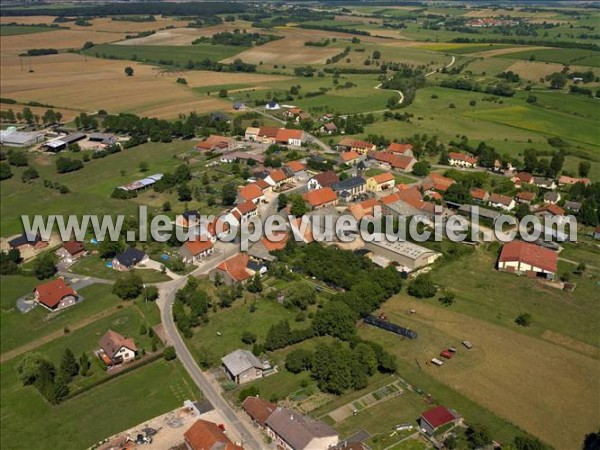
point(532, 259)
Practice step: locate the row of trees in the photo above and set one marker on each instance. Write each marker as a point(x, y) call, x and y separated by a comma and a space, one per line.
point(50, 117)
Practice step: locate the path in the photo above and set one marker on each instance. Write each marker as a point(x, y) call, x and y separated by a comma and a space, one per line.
point(575, 263)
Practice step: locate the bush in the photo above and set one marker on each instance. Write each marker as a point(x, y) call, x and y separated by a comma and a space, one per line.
point(523, 319)
point(169, 353)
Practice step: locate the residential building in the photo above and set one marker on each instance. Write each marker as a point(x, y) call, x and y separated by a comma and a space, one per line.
point(525, 197)
point(243, 157)
point(363, 147)
point(196, 250)
point(216, 143)
point(395, 161)
point(350, 188)
point(436, 182)
point(364, 209)
point(234, 270)
point(241, 366)
point(322, 180)
point(116, 349)
point(570, 181)
point(462, 160)
point(350, 157)
point(204, 435)
point(279, 177)
point(321, 198)
point(551, 210)
point(272, 106)
point(27, 240)
point(545, 183)
point(435, 418)
point(502, 201)
point(293, 431)
point(289, 137)
point(328, 128)
point(402, 149)
point(522, 178)
point(479, 195)
point(251, 133)
point(532, 259)
point(552, 197)
point(267, 135)
point(129, 259)
point(55, 295)
point(345, 144)
point(296, 167)
point(259, 410)
point(245, 211)
point(71, 251)
point(252, 192)
point(572, 206)
point(381, 182)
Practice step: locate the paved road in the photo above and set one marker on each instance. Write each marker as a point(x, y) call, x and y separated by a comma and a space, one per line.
point(251, 438)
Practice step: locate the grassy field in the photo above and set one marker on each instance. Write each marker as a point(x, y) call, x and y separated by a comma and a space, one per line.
point(559, 55)
point(15, 30)
point(94, 266)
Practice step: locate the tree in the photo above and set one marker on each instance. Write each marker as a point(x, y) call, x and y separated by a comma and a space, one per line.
point(69, 367)
point(298, 360)
point(248, 337)
point(251, 391)
point(5, 172)
point(299, 207)
point(84, 365)
point(228, 194)
point(523, 319)
point(17, 158)
point(109, 249)
point(300, 294)
point(584, 168)
point(478, 435)
point(421, 169)
point(522, 210)
point(556, 163)
point(458, 193)
point(29, 174)
point(335, 319)
point(150, 293)
point(128, 287)
point(528, 443)
point(450, 442)
point(282, 201)
point(44, 266)
point(591, 441)
point(28, 368)
point(367, 357)
point(557, 80)
point(169, 353)
point(144, 166)
point(422, 287)
point(9, 262)
point(223, 93)
point(255, 285)
point(376, 54)
point(448, 298)
point(184, 193)
point(588, 214)
point(129, 71)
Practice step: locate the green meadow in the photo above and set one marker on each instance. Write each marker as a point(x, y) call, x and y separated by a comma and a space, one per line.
point(559, 55)
point(15, 30)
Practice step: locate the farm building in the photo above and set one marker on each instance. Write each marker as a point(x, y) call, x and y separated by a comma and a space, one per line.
point(436, 182)
point(216, 143)
point(13, 138)
point(61, 143)
point(204, 435)
point(289, 137)
point(409, 255)
point(394, 160)
point(116, 349)
point(55, 295)
point(242, 366)
point(293, 431)
point(143, 183)
point(435, 418)
point(521, 256)
point(103, 138)
point(129, 259)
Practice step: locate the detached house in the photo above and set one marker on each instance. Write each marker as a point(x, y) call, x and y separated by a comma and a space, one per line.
point(116, 349)
point(462, 160)
point(259, 410)
point(241, 366)
point(479, 195)
point(251, 133)
point(251, 192)
point(437, 417)
point(394, 161)
point(525, 197)
point(570, 181)
point(245, 211)
point(436, 182)
point(196, 250)
point(27, 240)
point(322, 180)
point(350, 188)
point(129, 259)
point(328, 128)
point(279, 177)
point(267, 135)
point(552, 197)
point(55, 295)
point(216, 143)
point(289, 137)
point(522, 178)
point(234, 270)
point(204, 435)
point(502, 201)
point(382, 182)
point(551, 210)
point(71, 251)
point(293, 431)
point(351, 158)
point(401, 149)
point(321, 198)
point(546, 183)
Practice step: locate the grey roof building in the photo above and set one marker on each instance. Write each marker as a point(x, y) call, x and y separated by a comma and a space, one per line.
point(13, 138)
point(242, 366)
point(295, 431)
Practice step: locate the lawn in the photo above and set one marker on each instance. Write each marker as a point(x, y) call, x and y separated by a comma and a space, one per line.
point(94, 266)
point(14, 30)
point(28, 421)
point(565, 56)
point(165, 54)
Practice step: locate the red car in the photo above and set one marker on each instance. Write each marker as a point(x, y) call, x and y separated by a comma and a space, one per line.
point(446, 354)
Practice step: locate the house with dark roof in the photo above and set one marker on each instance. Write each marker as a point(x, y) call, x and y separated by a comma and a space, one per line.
point(293, 431)
point(323, 179)
point(241, 366)
point(435, 418)
point(116, 349)
point(572, 206)
point(129, 259)
point(528, 258)
point(204, 435)
point(546, 183)
point(552, 197)
point(27, 240)
point(71, 251)
point(350, 188)
point(55, 295)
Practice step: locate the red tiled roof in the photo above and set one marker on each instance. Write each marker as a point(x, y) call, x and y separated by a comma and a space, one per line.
point(436, 196)
point(462, 157)
point(218, 225)
point(112, 342)
point(296, 166)
point(284, 135)
point(349, 156)
point(330, 126)
point(272, 246)
point(278, 175)
point(383, 178)
point(246, 207)
point(363, 209)
point(51, 293)
point(346, 142)
point(525, 177)
point(555, 210)
point(524, 195)
point(363, 144)
point(308, 236)
point(501, 199)
point(214, 141)
point(236, 266)
point(258, 409)
point(251, 192)
point(571, 181)
point(478, 194)
point(394, 160)
point(320, 197)
point(204, 435)
point(262, 184)
point(531, 254)
point(269, 132)
point(438, 416)
point(198, 246)
point(74, 247)
point(440, 182)
point(326, 179)
point(395, 147)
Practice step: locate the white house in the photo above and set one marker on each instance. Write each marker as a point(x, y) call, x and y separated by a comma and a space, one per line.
point(116, 349)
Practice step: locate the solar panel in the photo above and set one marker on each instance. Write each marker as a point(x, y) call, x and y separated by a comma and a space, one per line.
point(391, 327)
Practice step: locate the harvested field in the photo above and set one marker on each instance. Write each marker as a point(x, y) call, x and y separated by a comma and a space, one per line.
point(199, 105)
point(28, 20)
point(532, 70)
point(505, 51)
point(498, 373)
point(69, 80)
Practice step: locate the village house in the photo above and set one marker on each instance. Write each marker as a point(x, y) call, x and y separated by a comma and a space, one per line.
point(552, 197)
point(71, 251)
point(216, 143)
point(293, 138)
point(129, 259)
point(350, 188)
point(436, 182)
point(525, 197)
point(196, 250)
point(252, 192)
point(326, 117)
point(363, 147)
point(322, 180)
point(55, 295)
point(241, 366)
point(267, 135)
point(116, 349)
point(272, 106)
point(532, 259)
point(279, 177)
point(245, 211)
point(244, 157)
point(551, 211)
point(395, 161)
point(479, 195)
point(234, 270)
point(572, 206)
point(328, 128)
point(259, 410)
point(345, 144)
point(350, 157)
point(381, 182)
point(401, 149)
point(435, 418)
point(545, 183)
point(204, 435)
point(364, 209)
point(502, 201)
point(462, 160)
point(522, 178)
point(407, 202)
point(27, 241)
point(570, 181)
point(251, 133)
point(297, 168)
point(321, 198)
point(292, 113)
point(293, 431)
